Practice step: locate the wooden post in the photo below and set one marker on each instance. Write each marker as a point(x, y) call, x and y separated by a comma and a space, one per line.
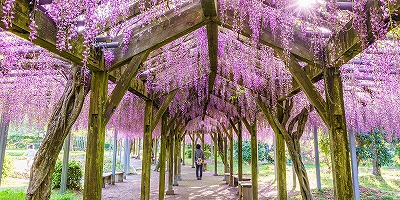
point(179, 160)
point(215, 156)
point(281, 158)
point(170, 190)
point(126, 155)
point(163, 152)
point(4, 125)
point(146, 161)
point(114, 157)
point(96, 136)
point(240, 152)
point(193, 149)
point(138, 150)
point(176, 153)
point(317, 163)
point(231, 157)
point(134, 147)
point(254, 161)
point(342, 180)
point(183, 151)
point(155, 150)
point(275, 163)
point(354, 167)
point(225, 141)
point(64, 171)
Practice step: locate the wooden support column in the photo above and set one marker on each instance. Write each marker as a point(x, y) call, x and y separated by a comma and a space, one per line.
point(170, 190)
point(252, 128)
point(225, 140)
point(64, 171)
point(114, 157)
point(193, 149)
point(155, 150)
point(96, 136)
point(240, 151)
point(134, 147)
point(126, 155)
point(179, 160)
point(281, 157)
point(317, 163)
point(215, 156)
point(183, 151)
point(4, 125)
point(163, 152)
point(146, 161)
point(341, 169)
point(176, 155)
point(354, 166)
point(231, 158)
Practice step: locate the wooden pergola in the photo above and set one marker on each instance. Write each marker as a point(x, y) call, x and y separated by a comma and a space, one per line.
point(339, 49)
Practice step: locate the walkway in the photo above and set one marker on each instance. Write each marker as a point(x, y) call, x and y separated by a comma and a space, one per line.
point(210, 187)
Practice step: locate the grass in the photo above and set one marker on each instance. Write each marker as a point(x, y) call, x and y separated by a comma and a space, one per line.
point(19, 194)
point(372, 187)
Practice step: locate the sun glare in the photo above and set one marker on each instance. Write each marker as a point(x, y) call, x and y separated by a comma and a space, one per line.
point(304, 4)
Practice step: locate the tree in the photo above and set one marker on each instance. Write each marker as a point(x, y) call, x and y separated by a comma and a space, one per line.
point(375, 146)
point(63, 117)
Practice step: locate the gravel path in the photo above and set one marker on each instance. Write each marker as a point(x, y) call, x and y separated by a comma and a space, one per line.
point(210, 187)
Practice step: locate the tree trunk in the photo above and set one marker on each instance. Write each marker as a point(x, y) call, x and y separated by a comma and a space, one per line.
point(294, 151)
point(376, 169)
point(64, 115)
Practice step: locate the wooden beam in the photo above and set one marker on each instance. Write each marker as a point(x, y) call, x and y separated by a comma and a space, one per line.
point(46, 36)
point(163, 108)
point(315, 74)
point(300, 47)
point(212, 37)
point(136, 86)
point(123, 84)
point(308, 88)
point(152, 37)
point(347, 43)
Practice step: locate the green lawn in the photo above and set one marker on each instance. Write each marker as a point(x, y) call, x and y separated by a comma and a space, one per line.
point(372, 187)
point(19, 194)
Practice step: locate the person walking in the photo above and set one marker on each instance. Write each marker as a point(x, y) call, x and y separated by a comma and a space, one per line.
point(199, 158)
point(30, 154)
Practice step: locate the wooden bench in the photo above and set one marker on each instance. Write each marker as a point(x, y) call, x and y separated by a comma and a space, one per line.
point(227, 177)
point(245, 190)
point(204, 167)
point(236, 179)
point(119, 176)
point(106, 179)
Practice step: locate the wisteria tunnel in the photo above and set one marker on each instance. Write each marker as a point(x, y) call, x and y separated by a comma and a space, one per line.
point(288, 99)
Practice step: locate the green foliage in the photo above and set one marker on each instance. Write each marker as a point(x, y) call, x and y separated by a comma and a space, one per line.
point(188, 152)
point(264, 154)
point(107, 166)
point(8, 166)
point(74, 175)
point(207, 154)
point(11, 194)
point(375, 144)
point(21, 141)
point(323, 145)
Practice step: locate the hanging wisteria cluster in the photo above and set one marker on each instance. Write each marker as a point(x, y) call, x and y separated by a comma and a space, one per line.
point(246, 66)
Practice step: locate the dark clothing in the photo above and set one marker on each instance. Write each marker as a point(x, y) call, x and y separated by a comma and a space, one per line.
point(199, 168)
point(198, 153)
